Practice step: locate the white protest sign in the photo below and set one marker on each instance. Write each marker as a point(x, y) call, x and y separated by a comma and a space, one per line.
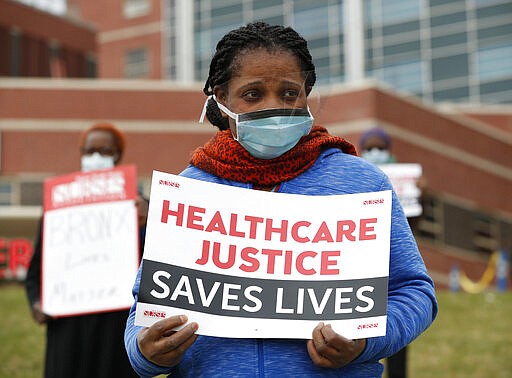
point(404, 178)
point(247, 263)
point(90, 248)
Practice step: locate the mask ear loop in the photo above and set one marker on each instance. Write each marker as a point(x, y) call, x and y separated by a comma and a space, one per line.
point(203, 113)
point(221, 107)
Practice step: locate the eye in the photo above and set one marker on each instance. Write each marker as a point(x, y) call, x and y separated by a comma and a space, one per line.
point(251, 95)
point(290, 94)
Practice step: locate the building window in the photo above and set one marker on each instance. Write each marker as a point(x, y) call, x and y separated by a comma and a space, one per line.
point(5, 193)
point(407, 76)
point(485, 233)
point(400, 11)
point(495, 62)
point(136, 63)
point(450, 67)
point(431, 222)
point(136, 8)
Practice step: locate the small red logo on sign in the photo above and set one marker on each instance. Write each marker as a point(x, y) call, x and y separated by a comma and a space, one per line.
point(154, 314)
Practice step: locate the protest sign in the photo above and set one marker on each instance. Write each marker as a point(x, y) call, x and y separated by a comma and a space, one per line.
point(404, 178)
point(247, 263)
point(90, 250)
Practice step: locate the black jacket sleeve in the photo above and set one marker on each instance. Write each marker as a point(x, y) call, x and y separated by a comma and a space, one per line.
point(33, 279)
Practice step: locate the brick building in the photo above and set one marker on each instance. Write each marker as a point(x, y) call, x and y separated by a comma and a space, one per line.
point(464, 151)
point(34, 43)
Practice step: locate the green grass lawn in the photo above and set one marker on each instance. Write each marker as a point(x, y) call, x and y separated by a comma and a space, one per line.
point(471, 337)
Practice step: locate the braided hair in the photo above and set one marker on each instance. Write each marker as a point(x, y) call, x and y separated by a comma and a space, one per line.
point(249, 37)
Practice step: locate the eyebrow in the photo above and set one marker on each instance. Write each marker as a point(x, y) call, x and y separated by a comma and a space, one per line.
point(259, 82)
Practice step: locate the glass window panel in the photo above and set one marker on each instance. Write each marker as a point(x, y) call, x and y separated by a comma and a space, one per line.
point(308, 4)
point(220, 31)
point(495, 62)
point(318, 43)
point(497, 98)
point(497, 10)
point(368, 33)
point(228, 10)
point(203, 46)
point(487, 2)
point(448, 40)
point(312, 22)
point(447, 19)
point(321, 61)
point(497, 86)
point(402, 48)
point(261, 4)
point(274, 20)
point(136, 8)
point(322, 75)
point(31, 193)
point(404, 75)
point(407, 27)
point(433, 3)
point(369, 12)
point(136, 63)
point(400, 10)
point(496, 31)
point(450, 67)
point(453, 94)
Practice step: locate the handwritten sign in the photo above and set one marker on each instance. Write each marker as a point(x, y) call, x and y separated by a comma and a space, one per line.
point(90, 242)
point(404, 178)
point(247, 263)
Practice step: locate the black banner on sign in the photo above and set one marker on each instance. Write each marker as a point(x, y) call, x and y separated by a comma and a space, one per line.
point(218, 294)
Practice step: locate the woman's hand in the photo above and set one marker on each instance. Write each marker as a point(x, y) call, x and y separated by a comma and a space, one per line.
point(330, 350)
point(39, 316)
point(162, 345)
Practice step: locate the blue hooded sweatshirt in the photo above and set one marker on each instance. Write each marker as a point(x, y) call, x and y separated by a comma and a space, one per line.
point(411, 306)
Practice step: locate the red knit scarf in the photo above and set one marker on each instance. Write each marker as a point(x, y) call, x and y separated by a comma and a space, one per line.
point(225, 157)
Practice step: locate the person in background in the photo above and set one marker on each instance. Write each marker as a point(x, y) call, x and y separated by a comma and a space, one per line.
point(87, 345)
point(375, 145)
point(258, 85)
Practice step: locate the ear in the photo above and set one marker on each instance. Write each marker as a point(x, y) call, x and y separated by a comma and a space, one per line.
point(220, 95)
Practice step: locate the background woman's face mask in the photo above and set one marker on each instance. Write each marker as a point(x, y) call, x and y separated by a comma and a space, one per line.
point(96, 161)
point(376, 156)
point(269, 133)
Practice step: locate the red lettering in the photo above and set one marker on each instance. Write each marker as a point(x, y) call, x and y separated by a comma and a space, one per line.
point(364, 229)
point(295, 231)
point(326, 262)
point(282, 230)
point(288, 257)
point(193, 217)
point(166, 211)
point(253, 224)
point(3, 257)
point(216, 256)
point(20, 253)
point(216, 224)
point(323, 234)
point(246, 255)
point(232, 227)
point(271, 258)
point(300, 263)
point(345, 228)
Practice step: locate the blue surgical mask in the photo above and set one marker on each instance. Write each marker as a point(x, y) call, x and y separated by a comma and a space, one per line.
point(269, 133)
point(376, 156)
point(96, 161)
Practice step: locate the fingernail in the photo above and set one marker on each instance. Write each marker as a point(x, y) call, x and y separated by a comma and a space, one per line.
point(183, 318)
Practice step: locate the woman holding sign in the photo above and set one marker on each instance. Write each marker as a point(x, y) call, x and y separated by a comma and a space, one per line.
point(258, 86)
point(86, 345)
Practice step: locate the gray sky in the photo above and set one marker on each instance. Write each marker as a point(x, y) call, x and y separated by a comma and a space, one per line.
point(52, 6)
